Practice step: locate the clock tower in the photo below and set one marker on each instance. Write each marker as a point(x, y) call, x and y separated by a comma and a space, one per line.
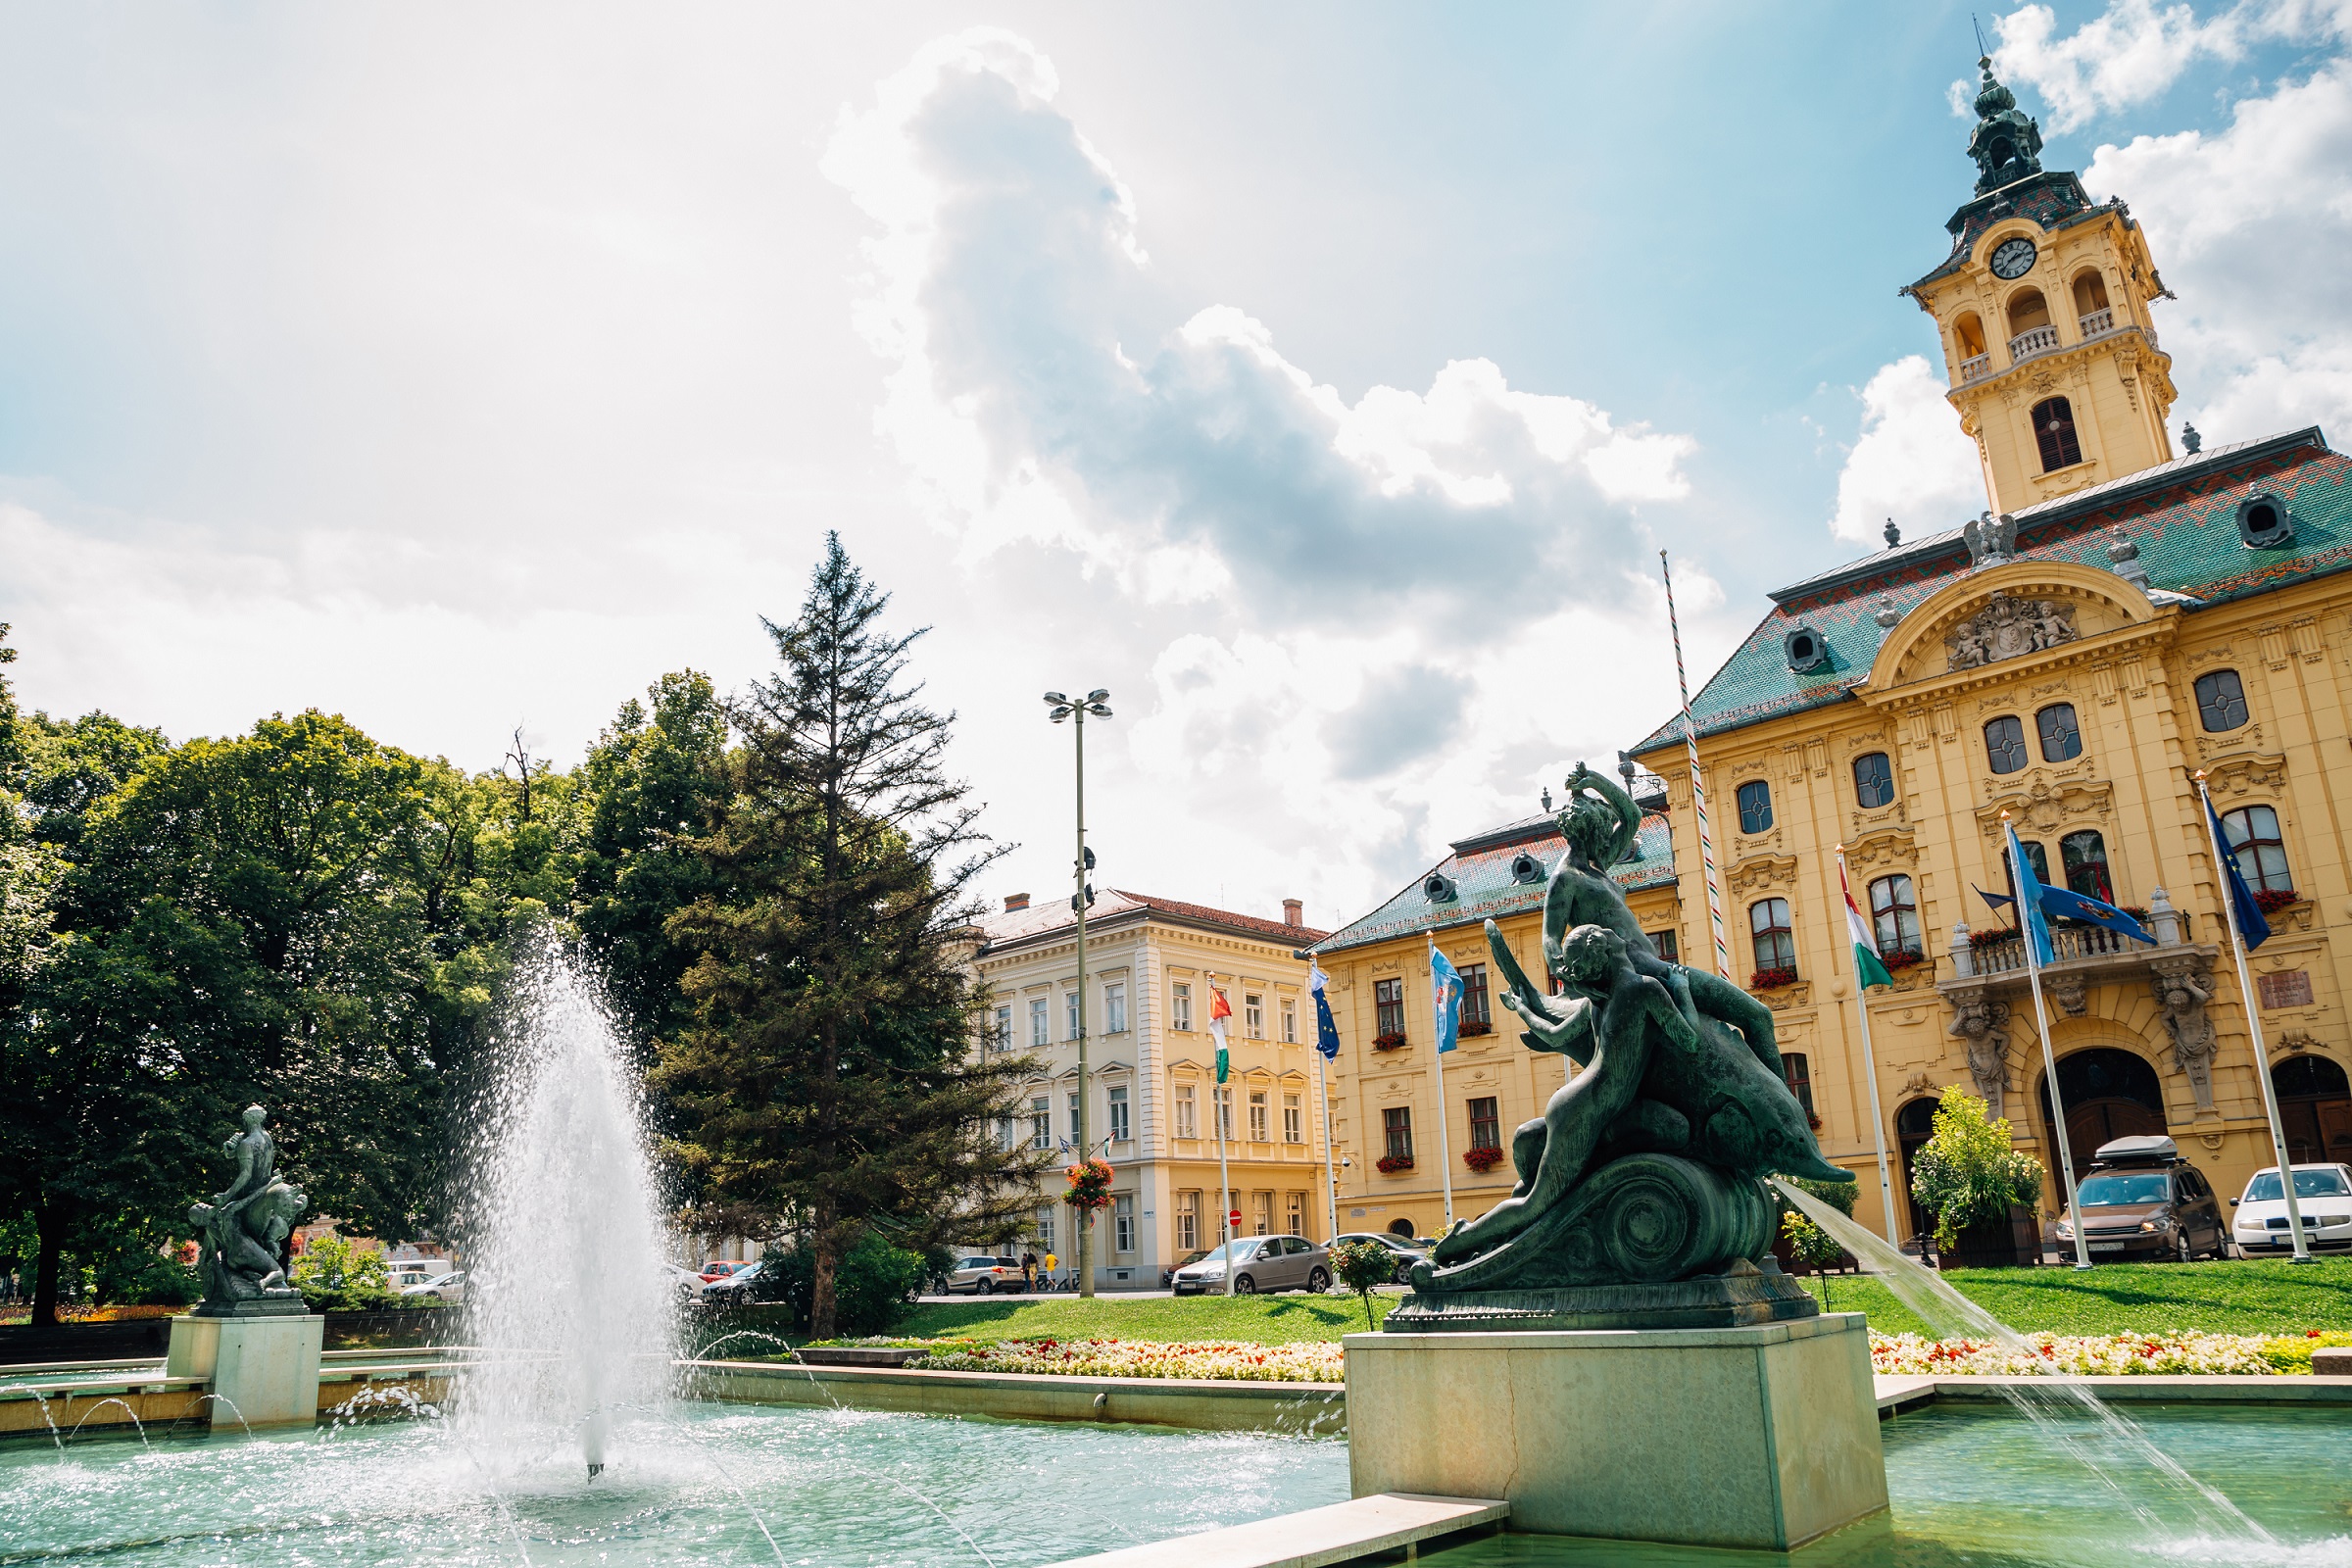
point(2042, 307)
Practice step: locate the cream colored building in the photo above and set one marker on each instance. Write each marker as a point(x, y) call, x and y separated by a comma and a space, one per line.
point(1151, 966)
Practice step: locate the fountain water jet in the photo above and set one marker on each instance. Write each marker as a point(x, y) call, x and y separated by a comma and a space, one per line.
point(563, 1296)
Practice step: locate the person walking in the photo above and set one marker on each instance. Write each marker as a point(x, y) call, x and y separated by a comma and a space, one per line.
point(1029, 1271)
point(1051, 1262)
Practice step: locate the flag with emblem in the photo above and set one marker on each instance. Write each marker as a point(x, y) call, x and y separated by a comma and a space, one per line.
point(1219, 1010)
point(1867, 969)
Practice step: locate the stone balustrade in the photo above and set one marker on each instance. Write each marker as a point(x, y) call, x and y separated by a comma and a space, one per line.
point(2098, 321)
point(2033, 340)
point(1974, 370)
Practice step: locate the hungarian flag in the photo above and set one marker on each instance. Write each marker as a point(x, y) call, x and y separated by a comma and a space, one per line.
point(1867, 967)
point(1219, 1010)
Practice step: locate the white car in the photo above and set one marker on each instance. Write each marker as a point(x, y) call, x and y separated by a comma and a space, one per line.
point(449, 1286)
point(2323, 1193)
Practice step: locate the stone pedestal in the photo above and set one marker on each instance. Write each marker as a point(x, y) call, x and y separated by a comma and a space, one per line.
point(264, 1366)
point(1762, 1436)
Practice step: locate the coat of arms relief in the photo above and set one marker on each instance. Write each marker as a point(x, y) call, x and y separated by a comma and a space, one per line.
point(2007, 627)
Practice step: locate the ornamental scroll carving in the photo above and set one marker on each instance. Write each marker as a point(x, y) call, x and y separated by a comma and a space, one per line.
point(2007, 627)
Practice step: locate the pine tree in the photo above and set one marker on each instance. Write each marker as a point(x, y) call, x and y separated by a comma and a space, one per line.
point(829, 1083)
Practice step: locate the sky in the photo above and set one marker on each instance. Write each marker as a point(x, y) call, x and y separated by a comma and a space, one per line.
point(1322, 380)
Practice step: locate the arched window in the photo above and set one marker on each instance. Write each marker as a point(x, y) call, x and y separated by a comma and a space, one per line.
point(1756, 805)
point(2036, 857)
point(2005, 744)
point(1968, 333)
point(1874, 781)
point(1775, 940)
point(2253, 835)
point(1894, 916)
point(2055, 434)
point(1914, 1125)
point(2061, 736)
point(2085, 857)
point(2090, 301)
point(1798, 1073)
point(2027, 312)
point(2315, 1102)
point(2220, 702)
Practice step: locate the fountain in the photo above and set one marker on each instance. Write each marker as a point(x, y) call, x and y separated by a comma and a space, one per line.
point(565, 1304)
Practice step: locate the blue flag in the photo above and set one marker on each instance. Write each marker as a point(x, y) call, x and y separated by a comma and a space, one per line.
point(2028, 898)
point(2092, 911)
point(2252, 929)
point(1445, 991)
point(1327, 1033)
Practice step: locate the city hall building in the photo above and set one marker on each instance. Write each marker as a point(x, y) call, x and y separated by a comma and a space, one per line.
point(2127, 613)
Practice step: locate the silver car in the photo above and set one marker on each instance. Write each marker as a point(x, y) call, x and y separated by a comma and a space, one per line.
point(983, 1275)
point(1260, 1263)
point(1409, 1252)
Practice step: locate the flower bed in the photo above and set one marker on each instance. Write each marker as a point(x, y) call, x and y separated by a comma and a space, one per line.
point(1230, 1359)
point(2101, 1356)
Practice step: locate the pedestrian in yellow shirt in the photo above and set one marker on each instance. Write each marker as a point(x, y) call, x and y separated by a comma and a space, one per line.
point(1051, 1261)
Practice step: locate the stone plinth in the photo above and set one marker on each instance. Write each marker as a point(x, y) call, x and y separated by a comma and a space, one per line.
point(264, 1366)
point(1762, 1436)
point(1711, 1301)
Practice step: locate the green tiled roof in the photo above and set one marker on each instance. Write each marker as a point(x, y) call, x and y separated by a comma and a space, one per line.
point(2183, 515)
point(1479, 868)
point(2054, 200)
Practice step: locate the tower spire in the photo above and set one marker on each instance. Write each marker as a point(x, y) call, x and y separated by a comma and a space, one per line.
point(2006, 143)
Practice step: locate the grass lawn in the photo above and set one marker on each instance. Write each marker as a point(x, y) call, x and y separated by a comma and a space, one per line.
point(2263, 1295)
point(2260, 1295)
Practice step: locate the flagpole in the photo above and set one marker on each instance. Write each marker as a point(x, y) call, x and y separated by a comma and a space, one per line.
point(1437, 1029)
point(1870, 1069)
point(1698, 788)
point(1331, 1175)
point(2261, 1054)
point(2049, 1062)
point(1216, 1109)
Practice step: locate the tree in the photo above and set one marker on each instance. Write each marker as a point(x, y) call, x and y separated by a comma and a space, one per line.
point(828, 1079)
point(1360, 1265)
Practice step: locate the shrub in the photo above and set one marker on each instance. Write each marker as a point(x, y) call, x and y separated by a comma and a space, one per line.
point(1966, 1172)
point(1808, 1241)
point(333, 1276)
point(870, 1289)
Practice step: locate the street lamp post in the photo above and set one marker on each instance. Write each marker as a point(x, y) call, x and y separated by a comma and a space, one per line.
point(1096, 702)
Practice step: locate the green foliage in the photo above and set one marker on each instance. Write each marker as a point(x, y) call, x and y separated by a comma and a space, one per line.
point(1808, 1241)
point(335, 1276)
point(1966, 1173)
point(872, 1286)
point(827, 1083)
point(2258, 1295)
point(1360, 1265)
point(1262, 1320)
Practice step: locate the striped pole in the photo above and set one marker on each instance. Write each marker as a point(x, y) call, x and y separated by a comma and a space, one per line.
point(1698, 788)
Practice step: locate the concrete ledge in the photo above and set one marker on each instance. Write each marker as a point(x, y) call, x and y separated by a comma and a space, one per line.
point(2284, 1389)
point(1207, 1405)
point(1344, 1532)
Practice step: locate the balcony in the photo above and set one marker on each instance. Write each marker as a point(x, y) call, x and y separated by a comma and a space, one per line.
point(2006, 954)
point(2032, 341)
point(2081, 956)
point(1976, 370)
point(2098, 321)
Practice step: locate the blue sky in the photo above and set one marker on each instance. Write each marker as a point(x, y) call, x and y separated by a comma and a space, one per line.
point(1322, 379)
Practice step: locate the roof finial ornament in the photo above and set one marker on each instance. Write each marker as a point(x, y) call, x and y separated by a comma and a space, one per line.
point(2125, 552)
point(2190, 442)
point(1894, 535)
point(2007, 143)
point(1548, 799)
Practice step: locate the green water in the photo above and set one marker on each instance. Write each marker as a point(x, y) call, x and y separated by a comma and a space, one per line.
point(833, 1489)
point(1979, 1487)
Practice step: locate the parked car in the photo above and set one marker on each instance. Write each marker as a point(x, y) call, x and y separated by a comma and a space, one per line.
point(449, 1286)
point(683, 1282)
point(761, 1281)
point(2322, 1194)
point(1409, 1252)
point(2141, 1199)
point(714, 1272)
point(1167, 1276)
point(1260, 1263)
point(982, 1275)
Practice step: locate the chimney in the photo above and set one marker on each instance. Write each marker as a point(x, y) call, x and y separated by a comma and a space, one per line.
point(1294, 913)
point(1015, 901)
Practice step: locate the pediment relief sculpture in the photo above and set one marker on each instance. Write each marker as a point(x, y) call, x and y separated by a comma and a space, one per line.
point(2007, 627)
point(2236, 776)
point(2044, 806)
point(1761, 873)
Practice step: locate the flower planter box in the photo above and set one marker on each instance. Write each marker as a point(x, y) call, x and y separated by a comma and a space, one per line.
point(1390, 1164)
point(1393, 1041)
point(1771, 979)
point(1482, 1160)
point(2013, 1242)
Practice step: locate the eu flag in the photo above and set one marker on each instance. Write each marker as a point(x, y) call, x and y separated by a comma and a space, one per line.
point(1327, 1033)
point(2028, 898)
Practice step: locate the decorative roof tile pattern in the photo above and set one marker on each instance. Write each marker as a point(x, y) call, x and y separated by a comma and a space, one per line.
point(2181, 514)
point(1486, 890)
point(1054, 917)
point(2053, 200)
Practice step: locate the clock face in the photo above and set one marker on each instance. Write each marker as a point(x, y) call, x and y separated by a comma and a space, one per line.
point(2013, 257)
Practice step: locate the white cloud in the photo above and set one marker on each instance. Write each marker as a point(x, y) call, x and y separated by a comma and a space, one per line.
point(1353, 612)
point(1911, 464)
point(2135, 51)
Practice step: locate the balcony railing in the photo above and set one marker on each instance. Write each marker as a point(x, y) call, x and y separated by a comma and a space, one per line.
point(2033, 340)
point(1975, 369)
point(2098, 321)
point(2006, 954)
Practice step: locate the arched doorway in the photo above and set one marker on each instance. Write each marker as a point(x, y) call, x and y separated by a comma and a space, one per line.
point(1914, 1125)
point(1402, 1226)
point(2315, 1107)
point(2109, 1095)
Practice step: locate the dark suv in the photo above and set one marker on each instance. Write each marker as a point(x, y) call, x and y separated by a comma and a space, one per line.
point(2140, 1199)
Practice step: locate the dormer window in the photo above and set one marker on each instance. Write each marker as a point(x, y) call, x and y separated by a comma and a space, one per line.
point(2263, 521)
point(1805, 650)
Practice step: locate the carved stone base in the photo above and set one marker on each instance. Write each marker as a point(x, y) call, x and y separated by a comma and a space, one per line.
point(274, 1304)
point(1715, 1302)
